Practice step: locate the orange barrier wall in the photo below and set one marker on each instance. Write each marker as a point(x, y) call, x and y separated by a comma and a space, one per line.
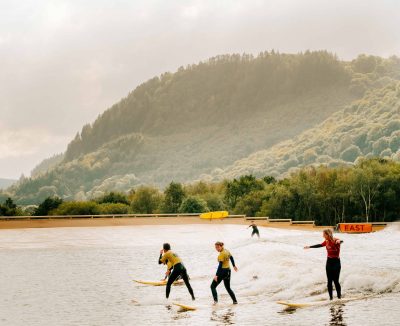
point(355, 227)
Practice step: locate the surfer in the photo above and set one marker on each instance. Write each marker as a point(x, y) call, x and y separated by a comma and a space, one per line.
point(255, 229)
point(333, 266)
point(223, 272)
point(178, 269)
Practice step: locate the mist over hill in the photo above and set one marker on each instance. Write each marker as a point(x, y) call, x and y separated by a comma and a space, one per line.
point(367, 128)
point(5, 183)
point(205, 120)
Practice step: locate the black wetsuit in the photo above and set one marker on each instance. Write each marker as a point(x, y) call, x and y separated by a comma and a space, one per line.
point(223, 274)
point(255, 230)
point(170, 271)
point(178, 270)
point(333, 268)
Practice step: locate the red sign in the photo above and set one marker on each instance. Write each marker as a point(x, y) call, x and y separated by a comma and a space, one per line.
point(355, 227)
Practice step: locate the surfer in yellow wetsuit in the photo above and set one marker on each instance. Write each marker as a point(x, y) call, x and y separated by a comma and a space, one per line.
point(178, 269)
point(223, 272)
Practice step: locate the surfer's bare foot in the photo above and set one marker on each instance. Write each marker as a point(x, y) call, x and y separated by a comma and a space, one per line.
point(235, 302)
point(215, 303)
point(193, 298)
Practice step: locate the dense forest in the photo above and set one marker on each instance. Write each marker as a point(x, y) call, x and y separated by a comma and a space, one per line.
point(367, 128)
point(228, 116)
point(366, 192)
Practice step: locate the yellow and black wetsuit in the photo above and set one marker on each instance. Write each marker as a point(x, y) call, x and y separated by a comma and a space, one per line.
point(223, 274)
point(170, 268)
point(178, 270)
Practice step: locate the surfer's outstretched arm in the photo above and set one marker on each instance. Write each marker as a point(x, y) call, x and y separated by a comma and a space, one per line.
point(317, 246)
point(323, 244)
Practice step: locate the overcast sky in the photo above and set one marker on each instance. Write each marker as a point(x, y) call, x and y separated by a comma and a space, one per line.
point(62, 63)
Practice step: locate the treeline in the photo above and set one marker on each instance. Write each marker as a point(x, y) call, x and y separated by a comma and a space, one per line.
point(368, 191)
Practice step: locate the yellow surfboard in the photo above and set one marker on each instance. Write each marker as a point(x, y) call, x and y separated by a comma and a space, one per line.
point(214, 215)
point(184, 307)
point(296, 305)
point(157, 283)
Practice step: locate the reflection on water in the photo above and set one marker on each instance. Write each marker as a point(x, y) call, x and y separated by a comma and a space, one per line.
point(337, 316)
point(287, 311)
point(225, 318)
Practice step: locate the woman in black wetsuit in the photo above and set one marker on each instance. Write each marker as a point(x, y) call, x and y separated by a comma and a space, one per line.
point(223, 272)
point(333, 265)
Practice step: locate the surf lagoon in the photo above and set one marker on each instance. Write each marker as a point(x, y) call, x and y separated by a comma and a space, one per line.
point(84, 276)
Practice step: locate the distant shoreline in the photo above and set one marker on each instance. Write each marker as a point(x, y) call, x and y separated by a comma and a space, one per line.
point(141, 221)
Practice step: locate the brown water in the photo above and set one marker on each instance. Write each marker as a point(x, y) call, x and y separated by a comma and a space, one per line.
point(83, 276)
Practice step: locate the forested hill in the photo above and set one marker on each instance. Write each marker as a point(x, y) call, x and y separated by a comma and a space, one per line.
point(215, 92)
point(368, 128)
point(183, 125)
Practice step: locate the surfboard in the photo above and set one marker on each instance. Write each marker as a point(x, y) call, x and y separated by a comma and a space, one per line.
point(157, 283)
point(214, 215)
point(296, 305)
point(184, 307)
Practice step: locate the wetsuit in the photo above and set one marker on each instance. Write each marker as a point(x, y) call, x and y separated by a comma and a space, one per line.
point(170, 268)
point(178, 270)
point(333, 265)
point(255, 230)
point(223, 274)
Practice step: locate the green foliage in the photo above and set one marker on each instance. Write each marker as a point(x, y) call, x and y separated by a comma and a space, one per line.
point(46, 165)
point(367, 128)
point(113, 197)
point(174, 195)
point(269, 179)
point(351, 153)
point(250, 204)
point(9, 208)
point(240, 187)
point(76, 208)
point(367, 192)
point(49, 204)
point(146, 200)
point(108, 208)
point(214, 201)
point(193, 204)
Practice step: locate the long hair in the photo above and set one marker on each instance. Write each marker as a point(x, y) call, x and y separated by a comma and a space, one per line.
point(329, 233)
